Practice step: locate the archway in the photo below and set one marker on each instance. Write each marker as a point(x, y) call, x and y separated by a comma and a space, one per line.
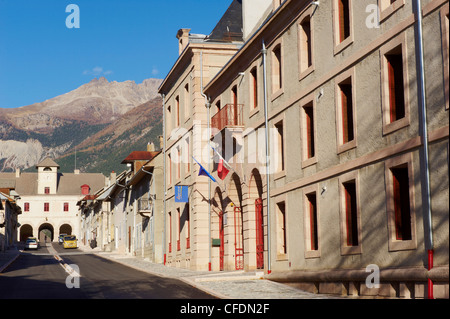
point(46, 233)
point(256, 218)
point(65, 229)
point(235, 222)
point(218, 228)
point(25, 232)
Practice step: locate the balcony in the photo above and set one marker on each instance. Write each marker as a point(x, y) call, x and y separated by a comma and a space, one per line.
point(145, 207)
point(231, 115)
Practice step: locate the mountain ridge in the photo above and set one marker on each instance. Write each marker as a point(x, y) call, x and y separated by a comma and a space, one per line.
point(58, 125)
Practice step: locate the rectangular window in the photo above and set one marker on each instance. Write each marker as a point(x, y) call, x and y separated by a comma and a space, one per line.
point(445, 25)
point(345, 112)
point(178, 163)
point(26, 207)
point(179, 229)
point(253, 88)
point(281, 229)
point(402, 209)
point(351, 213)
point(66, 207)
point(305, 44)
point(313, 227)
point(47, 190)
point(395, 88)
point(169, 168)
point(177, 104)
point(344, 19)
point(46, 207)
point(400, 202)
point(187, 101)
point(169, 121)
point(280, 146)
point(187, 223)
point(187, 155)
point(394, 62)
point(309, 130)
point(277, 69)
point(170, 232)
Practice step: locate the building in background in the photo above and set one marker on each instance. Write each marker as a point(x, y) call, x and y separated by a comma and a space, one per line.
point(48, 200)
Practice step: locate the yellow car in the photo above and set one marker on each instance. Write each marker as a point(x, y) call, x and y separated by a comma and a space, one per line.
point(70, 241)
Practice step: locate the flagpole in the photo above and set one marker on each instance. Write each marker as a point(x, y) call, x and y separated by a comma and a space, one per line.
point(208, 106)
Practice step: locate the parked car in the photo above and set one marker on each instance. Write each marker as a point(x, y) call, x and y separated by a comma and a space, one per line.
point(70, 241)
point(61, 238)
point(31, 243)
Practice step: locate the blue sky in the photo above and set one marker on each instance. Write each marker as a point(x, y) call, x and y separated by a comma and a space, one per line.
point(41, 58)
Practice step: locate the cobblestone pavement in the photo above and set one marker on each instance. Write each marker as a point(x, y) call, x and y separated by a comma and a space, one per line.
point(224, 285)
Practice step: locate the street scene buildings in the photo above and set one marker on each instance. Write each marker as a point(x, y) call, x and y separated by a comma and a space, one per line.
point(305, 139)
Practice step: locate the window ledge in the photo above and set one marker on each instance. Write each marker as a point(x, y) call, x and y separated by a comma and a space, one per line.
point(346, 147)
point(343, 45)
point(312, 254)
point(309, 162)
point(303, 74)
point(396, 125)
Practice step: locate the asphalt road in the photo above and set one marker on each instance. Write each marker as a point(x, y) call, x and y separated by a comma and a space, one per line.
point(39, 275)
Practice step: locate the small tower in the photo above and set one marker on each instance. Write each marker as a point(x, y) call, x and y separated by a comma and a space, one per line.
point(47, 177)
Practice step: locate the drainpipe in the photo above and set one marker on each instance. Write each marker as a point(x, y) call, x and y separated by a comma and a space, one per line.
point(208, 108)
point(165, 186)
point(264, 56)
point(424, 134)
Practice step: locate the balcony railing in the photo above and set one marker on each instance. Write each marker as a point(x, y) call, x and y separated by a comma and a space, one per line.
point(229, 116)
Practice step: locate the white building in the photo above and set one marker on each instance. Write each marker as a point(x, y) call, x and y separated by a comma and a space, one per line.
point(48, 200)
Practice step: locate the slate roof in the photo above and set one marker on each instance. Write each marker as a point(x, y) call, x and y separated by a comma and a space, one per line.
point(229, 27)
point(47, 162)
point(68, 183)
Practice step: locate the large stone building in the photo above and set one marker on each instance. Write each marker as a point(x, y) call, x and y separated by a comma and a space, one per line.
point(357, 174)
point(187, 233)
point(48, 200)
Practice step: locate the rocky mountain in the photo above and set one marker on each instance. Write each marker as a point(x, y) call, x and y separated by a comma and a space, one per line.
point(86, 119)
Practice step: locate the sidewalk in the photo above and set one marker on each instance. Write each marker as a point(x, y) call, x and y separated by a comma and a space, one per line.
point(224, 285)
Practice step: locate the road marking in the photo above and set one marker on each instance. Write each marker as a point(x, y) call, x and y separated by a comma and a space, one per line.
point(66, 267)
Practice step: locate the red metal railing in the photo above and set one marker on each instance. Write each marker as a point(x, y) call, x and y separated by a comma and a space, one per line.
point(229, 115)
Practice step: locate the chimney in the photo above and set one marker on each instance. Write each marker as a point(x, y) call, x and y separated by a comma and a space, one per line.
point(113, 177)
point(17, 172)
point(150, 147)
point(161, 142)
point(183, 39)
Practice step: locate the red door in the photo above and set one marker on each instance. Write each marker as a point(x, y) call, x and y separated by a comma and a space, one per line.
point(259, 234)
point(222, 246)
point(238, 245)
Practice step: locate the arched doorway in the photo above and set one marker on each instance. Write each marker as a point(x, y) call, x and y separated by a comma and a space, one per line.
point(25, 232)
point(255, 208)
point(218, 220)
point(65, 229)
point(235, 218)
point(46, 233)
